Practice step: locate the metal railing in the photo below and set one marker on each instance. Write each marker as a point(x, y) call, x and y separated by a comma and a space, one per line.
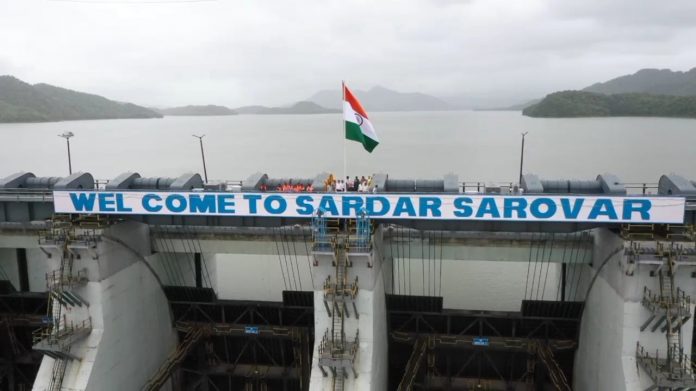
point(663, 369)
point(644, 188)
point(345, 351)
point(359, 246)
point(680, 305)
point(58, 280)
point(481, 186)
point(58, 336)
point(632, 188)
point(343, 290)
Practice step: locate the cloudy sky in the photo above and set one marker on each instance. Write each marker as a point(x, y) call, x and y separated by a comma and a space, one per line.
point(238, 52)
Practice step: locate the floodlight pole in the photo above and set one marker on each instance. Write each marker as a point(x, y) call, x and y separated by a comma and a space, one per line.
point(66, 136)
point(205, 170)
point(522, 158)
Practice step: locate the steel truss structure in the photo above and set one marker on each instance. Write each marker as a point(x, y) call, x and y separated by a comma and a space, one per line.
point(20, 314)
point(245, 345)
point(462, 350)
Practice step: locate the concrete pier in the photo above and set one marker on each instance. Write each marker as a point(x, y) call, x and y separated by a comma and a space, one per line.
point(614, 315)
point(130, 330)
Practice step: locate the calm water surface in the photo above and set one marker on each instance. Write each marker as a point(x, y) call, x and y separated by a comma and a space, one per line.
point(476, 145)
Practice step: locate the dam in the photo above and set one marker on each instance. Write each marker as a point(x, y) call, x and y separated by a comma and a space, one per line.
point(152, 283)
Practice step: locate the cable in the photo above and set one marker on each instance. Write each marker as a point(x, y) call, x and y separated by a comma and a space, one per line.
point(429, 261)
point(534, 273)
point(137, 255)
point(577, 286)
point(164, 265)
point(560, 279)
point(398, 266)
point(288, 257)
point(173, 263)
point(574, 249)
point(286, 241)
point(440, 289)
point(280, 262)
point(188, 250)
point(391, 255)
point(402, 276)
point(423, 260)
point(309, 262)
point(410, 261)
point(191, 244)
point(541, 266)
point(205, 264)
point(594, 278)
point(297, 262)
point(548, 265)
point(406, 265)
point(529, 265)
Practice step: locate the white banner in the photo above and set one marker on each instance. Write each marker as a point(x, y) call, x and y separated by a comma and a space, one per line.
point(561, 208)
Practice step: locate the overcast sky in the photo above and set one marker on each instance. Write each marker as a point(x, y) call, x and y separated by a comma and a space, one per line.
point(238, 52)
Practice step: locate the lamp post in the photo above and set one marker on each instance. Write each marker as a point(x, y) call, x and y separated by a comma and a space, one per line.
point(522, 158)
point(66, 136)
point(205, 170)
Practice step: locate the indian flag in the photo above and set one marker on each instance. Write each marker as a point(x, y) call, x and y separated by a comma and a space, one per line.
point(358, 126)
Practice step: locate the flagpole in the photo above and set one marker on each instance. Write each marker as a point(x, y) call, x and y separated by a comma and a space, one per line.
point(343, 125)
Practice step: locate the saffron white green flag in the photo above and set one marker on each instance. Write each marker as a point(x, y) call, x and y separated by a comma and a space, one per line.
point(358, 126)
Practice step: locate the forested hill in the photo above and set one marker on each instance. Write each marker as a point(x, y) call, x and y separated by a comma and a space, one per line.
point(23, 102)
point(589, 104)
point(650, 81)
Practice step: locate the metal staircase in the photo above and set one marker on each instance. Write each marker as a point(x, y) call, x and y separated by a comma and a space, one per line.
point(336, 353)
point(558, 378)
point(413, 365)
point(57, 374)
point(672, 308)
point(60, 333)
point(182, 350)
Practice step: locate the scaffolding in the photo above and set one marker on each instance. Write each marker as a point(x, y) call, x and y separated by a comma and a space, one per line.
point(359, 241)
point(672, 308)
point(322, 240)
point(339, 295)
point(59, 334)
point(337, 354)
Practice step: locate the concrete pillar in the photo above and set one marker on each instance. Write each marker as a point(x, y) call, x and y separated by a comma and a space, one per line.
point(371, 362)
point(132, 328)
point(610, 328)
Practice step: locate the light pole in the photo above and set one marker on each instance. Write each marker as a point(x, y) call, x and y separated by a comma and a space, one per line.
point(522, 158)
point(205, 171)
point(66, 136)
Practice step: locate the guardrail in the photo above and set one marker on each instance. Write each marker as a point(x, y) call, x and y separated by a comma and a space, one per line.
point(472, 187)
point(52, 336)
point(644, 188)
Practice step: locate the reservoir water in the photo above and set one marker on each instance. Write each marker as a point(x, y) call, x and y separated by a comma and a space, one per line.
point(478, 146)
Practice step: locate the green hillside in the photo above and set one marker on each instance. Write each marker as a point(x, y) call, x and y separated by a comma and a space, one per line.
point(23, 102)
point(650, 81)
point(589, 104)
